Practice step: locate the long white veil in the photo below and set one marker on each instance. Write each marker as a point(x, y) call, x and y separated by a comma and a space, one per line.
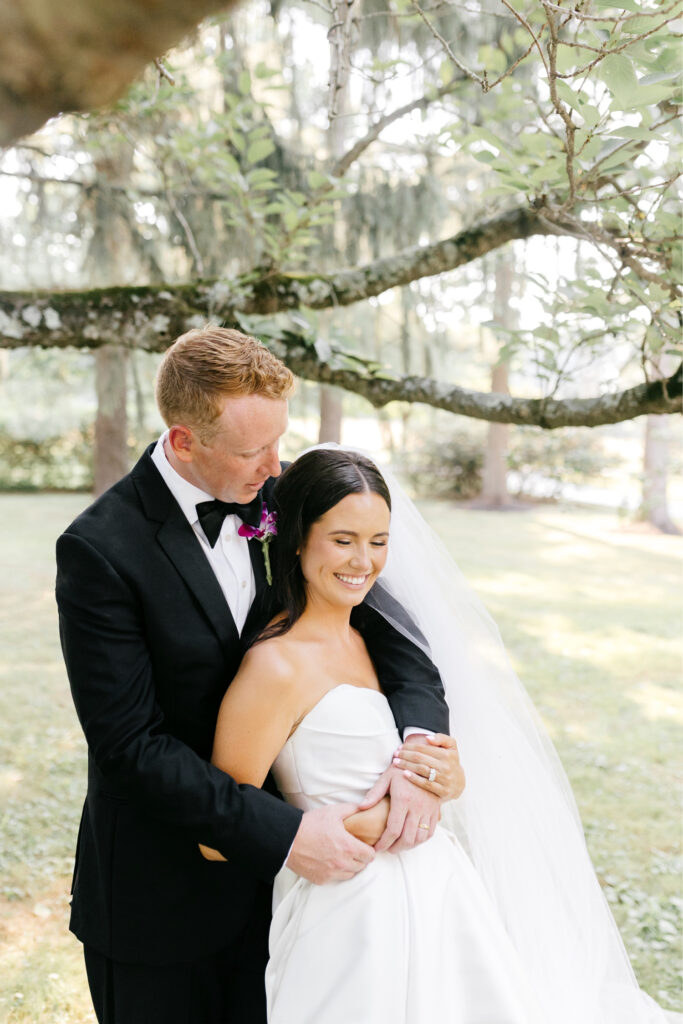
point(517, 817)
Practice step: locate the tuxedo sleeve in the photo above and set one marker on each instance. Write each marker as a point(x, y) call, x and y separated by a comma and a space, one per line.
point(133, 755)
point(407, 676)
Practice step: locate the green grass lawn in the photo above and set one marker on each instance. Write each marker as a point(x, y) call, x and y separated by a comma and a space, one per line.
point(591, 615)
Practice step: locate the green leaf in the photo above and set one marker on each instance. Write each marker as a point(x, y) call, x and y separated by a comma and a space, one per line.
point(647, 95)
point(660, 76)
point(445, 72)
point(262, 175)
point(244, 82)
point(535, 142)
point(228, 165)
point(566, 93)
point(493, 59)
point(263, 71)
point(591, 115)
point(259, 150)
point(618, 74)
point(629, 131)
point(635, 26)
point(618, 5)
point(548, 334)
point(482, 134)
point(317, 180)
point(668, 59)
point(567, 58)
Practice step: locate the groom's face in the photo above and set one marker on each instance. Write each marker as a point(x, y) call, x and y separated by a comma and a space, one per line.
point(242, 453)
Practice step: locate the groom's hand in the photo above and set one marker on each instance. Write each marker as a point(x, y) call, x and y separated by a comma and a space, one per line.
point(323, 851)
point(414, 812)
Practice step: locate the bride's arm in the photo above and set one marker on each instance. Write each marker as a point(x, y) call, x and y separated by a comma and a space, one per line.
point(255, 718)
point(369, 825)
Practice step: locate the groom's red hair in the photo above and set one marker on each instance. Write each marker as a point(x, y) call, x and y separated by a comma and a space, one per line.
point(208, 364)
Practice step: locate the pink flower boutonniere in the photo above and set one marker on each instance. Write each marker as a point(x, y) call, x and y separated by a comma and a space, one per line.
point(265, 531)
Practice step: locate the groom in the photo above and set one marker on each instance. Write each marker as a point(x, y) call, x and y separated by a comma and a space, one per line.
point(154, 588)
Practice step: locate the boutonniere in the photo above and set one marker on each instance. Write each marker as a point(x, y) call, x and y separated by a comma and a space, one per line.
point(265, 531)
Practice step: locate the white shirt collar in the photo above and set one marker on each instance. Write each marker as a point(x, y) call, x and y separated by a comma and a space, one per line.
point(185, 493)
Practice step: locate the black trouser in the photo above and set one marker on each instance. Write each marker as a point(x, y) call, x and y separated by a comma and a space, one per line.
point(223, 988)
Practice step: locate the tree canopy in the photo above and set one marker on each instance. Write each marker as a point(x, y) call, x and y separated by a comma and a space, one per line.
point(462, 132)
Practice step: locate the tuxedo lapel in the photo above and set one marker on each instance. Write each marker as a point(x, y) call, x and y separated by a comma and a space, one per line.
point(178, 540)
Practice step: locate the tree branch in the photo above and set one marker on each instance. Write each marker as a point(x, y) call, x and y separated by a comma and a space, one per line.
point(342, 165)
point(80, 55)
point(119, 314)
point(658, 397)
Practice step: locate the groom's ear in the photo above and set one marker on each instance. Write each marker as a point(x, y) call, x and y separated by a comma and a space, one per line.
point(181, 440)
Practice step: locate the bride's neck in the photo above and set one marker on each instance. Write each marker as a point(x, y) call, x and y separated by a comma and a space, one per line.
point(326, 620)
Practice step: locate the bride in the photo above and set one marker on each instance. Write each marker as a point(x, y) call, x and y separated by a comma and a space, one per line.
point(498, 918)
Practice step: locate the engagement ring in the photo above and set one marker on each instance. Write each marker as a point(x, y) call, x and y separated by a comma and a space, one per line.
point(432, 774)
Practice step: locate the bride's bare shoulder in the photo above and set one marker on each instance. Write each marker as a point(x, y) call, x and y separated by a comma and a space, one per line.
point(278, 660)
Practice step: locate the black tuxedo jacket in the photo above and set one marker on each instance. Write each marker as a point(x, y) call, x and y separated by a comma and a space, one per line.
point(150, 648)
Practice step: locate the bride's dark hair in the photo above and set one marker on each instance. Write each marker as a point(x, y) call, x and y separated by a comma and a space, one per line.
point(307, 489)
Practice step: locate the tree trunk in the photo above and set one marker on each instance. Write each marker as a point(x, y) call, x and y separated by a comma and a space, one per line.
point(331, 410)
point(331, 414)
point(494, 491)
point(654, 508)
point(111, 433)
point(110, 253)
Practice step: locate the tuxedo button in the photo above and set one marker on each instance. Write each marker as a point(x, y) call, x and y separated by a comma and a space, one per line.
point(244, 583)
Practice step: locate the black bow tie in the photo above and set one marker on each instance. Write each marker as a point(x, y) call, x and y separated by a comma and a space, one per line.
point(212, 513)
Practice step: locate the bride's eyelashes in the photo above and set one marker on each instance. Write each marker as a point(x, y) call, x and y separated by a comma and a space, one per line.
point(373, 543)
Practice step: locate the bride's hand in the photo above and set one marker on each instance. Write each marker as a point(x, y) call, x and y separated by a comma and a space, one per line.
point(437, 756)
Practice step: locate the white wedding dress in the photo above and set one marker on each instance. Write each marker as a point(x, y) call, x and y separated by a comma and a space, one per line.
point(501, 911)
point(413, 937)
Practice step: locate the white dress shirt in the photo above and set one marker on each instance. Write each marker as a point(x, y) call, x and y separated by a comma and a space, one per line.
point(229, 558)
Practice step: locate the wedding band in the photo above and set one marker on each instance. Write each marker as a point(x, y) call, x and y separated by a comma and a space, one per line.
point(432, 774)
point(421, 825)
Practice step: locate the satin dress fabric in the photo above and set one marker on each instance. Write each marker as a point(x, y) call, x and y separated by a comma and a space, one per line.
point(414, 936)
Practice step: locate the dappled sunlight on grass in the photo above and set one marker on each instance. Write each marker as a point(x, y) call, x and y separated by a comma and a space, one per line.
point(658, 702)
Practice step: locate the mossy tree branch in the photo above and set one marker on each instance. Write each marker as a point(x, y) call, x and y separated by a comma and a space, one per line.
point(151, 318)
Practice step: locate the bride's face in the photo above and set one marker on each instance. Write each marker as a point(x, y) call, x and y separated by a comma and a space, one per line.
point(346, 550)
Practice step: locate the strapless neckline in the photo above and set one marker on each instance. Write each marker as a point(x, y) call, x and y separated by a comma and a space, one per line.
point(333, 690)
point(339, 749)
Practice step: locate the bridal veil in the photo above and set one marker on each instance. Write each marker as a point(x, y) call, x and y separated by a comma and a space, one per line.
point(517, 817)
